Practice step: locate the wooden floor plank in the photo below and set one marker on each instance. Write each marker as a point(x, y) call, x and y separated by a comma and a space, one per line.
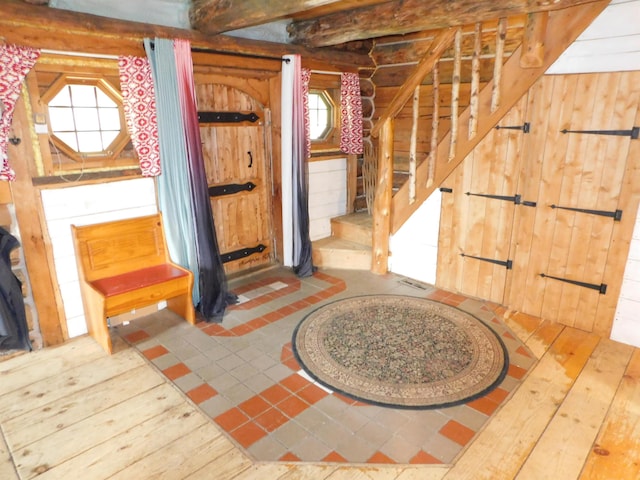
point(38, 394)
point(273, 471)
point(59, 447)
point(428, 472)
point(382, 472)
point(225, 467)
point(7, 469)
point(182, 457)
point(309, 472)
point(574, 426)
point(616, 453)
point(18, 372)
point(78, 406)
point(543, 337)
point(504, 444)
point(106, 459)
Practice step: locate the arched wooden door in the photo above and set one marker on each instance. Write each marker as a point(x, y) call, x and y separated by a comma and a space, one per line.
point(236, 159)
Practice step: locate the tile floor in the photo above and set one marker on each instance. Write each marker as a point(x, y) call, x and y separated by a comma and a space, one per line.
point(243, 374)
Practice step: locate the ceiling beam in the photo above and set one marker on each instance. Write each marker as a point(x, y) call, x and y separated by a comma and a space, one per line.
point(51, 28)
point(407, 16)
point(218, 16)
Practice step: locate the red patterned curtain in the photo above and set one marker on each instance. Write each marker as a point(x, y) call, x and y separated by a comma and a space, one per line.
point(305, 77)
point(351, 114)
point(139, 103)
point(15, 63)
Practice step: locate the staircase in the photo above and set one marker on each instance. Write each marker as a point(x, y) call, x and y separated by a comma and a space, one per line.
point(359, 241)
point(349, 246)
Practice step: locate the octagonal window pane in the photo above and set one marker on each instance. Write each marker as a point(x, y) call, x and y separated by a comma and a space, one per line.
point(320, 114)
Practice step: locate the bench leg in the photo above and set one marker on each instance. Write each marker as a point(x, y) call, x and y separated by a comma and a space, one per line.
point(183, 306)
point(94, 312)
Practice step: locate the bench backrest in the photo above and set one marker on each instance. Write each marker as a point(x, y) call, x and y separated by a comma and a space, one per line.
point(111, 248)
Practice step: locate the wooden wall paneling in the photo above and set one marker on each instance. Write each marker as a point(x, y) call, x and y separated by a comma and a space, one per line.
point(560, 298)
point(542, 185)
point(506, 182)
point(592, 238)
point(627, 177)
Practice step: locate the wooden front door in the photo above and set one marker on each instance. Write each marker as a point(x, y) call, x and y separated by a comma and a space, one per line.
point(552, 169)
point(236, 153)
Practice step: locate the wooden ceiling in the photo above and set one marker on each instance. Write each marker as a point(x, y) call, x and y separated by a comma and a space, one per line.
point(322, 23)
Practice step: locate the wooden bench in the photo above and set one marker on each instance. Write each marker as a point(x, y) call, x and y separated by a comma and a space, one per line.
point(124, 265)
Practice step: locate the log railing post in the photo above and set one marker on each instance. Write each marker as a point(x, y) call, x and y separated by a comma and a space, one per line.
point(382, 204)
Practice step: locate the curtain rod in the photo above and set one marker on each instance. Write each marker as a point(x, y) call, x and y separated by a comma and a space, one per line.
point(233, 54)
point(79, 54)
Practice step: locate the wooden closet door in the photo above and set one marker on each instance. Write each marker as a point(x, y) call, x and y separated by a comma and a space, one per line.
point(235, 154)
point(574, 170)
point(478, 226)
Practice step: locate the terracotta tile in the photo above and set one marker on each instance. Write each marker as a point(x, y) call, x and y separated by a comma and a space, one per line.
point(272, 316)
point(423, 457)
point(312, 394)
point(241, 330)
point(275, 394)
point(254, 406)
point(324, 294)
point(202, 393)
point(457, 432)
point(294, 382)
point(288, 310)
point(516, 372)
point(231, 419)
point(523, 351)
point(271, 419)
point(257, 323)
point(248, 434)
point(135, 337)
point(437, 295)
point(293, 406)
point(313, 299)
point(155, 352)
point(380, 457)
point(300, 304)
point(289, 457)
point(498, 395)
point(508, 335)
point(293, 364)
point(484, 405)
point(335, 457)
point(176, 371)
point(286, 352)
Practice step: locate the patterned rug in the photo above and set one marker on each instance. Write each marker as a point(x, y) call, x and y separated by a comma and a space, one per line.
point(400, 351)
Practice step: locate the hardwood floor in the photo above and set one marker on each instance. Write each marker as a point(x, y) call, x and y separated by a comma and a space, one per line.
point(72, 411)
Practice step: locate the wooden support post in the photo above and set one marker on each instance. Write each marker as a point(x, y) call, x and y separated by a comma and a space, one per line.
point(352, 182)
point(455, 92)
point(475, 81)
point(533, 40)
point(413, 145)
point(382, 205)
point(501, 34)
point(435, 125)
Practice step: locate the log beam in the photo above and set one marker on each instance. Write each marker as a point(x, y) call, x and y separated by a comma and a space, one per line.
point(39, 26)
point(407, 16)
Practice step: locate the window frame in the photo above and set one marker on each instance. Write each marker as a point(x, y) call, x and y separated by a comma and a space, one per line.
point(330, 86)
point(119, 142)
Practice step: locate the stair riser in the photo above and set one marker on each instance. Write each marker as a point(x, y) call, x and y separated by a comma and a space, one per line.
point(341, 259)
point(353, 233)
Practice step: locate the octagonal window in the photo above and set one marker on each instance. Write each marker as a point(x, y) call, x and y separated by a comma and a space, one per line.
point(321, 114)
point(86, 117)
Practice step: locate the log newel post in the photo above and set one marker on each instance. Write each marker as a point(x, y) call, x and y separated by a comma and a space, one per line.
point(382, 204)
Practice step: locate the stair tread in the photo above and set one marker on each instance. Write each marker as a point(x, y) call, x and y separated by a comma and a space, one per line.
point(340, 244)
point(362, 219)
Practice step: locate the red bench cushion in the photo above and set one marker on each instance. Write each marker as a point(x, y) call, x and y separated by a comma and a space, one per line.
point(135, 280)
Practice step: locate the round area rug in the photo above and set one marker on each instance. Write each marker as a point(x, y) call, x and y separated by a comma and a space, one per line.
point(400, 351)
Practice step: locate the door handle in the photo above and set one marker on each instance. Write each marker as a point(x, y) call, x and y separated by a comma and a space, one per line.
point(250, 159)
